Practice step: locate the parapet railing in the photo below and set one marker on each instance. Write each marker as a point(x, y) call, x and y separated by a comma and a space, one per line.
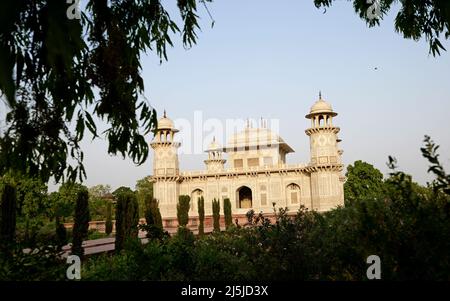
point(246, 169)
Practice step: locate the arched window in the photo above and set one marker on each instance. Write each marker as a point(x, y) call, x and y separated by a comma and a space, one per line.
point(244, 197)
point(293, 193)
point(195, 195)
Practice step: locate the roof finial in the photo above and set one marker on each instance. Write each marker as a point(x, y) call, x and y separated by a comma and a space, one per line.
point(165, 116)
point(320, 94)
point(214, 138)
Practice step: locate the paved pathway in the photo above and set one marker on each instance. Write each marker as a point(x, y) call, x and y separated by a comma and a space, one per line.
point(103, 245)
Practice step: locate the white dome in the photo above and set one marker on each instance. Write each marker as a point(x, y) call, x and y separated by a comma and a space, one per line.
point(253, 137)
point(214, 146)
point(321, 106)
point(166, 123)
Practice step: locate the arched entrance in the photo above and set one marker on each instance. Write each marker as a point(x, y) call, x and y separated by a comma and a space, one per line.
point(244, 196)
point(195, 195)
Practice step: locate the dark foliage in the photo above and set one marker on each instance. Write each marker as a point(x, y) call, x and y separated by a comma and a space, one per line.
point(7, 217)
point(201, 216)
point(216, 215)
point(50, 66)
point(183, 210)
point(108, 222)
point(81, 222)
point(127, 219)
point(227, 213)
point(154, 225)
point(61, 233)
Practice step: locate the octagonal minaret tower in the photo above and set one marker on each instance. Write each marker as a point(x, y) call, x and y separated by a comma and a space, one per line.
point(165, 166)
point(215, 161)
point(165, 161)
point(325, 158)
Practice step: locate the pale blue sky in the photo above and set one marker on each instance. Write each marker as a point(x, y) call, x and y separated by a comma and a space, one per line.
point(267, 58)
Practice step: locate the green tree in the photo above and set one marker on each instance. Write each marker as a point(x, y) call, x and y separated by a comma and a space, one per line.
point(442, 180)
point(32, 197)
point(99, 191)
point(144, 192)
point(108, 223)
point(227, 213)
point(183, 210)
point(81, 222)
point(8, 216)
point(201, 215)
point(121, 190)
point(154, 224)
point(65, 199)
point(153, 214)
point(216, 215)
point(34, 210)
point(49, 87)
point(414, 20)
point(127, 219)
point(61, 233)
point(99, 197)
point(363, 182)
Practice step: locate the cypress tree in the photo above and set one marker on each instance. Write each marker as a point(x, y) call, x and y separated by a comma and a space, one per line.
point(132, 216)
point(127, 218)
point(120, 212)
point(61, 233)
point(201, 215)
point(216, 215)
point(8, 217)
point(227, 213)
point(81, 222)
point(153, 219)
point(108, 223)
point(149, 216)
point(183, 210)
point(157, 214)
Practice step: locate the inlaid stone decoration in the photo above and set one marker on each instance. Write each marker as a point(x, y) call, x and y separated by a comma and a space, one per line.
point(256, 176)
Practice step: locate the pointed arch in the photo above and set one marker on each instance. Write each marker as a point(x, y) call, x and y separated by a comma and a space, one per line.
point(244, 197)
point(195, 195)
point(293, 193)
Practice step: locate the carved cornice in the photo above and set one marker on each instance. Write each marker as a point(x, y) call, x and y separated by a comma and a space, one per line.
point(222, 161)
point(323, 129)
point(157, 144)
point(325, 167)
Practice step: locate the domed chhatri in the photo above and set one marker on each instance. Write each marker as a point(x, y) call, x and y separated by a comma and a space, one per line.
point(214, 146)
point(166, 123)
point(321, 107)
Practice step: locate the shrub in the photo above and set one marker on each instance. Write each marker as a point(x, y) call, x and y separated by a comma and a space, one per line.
point(43, 264)
point(8, 217)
